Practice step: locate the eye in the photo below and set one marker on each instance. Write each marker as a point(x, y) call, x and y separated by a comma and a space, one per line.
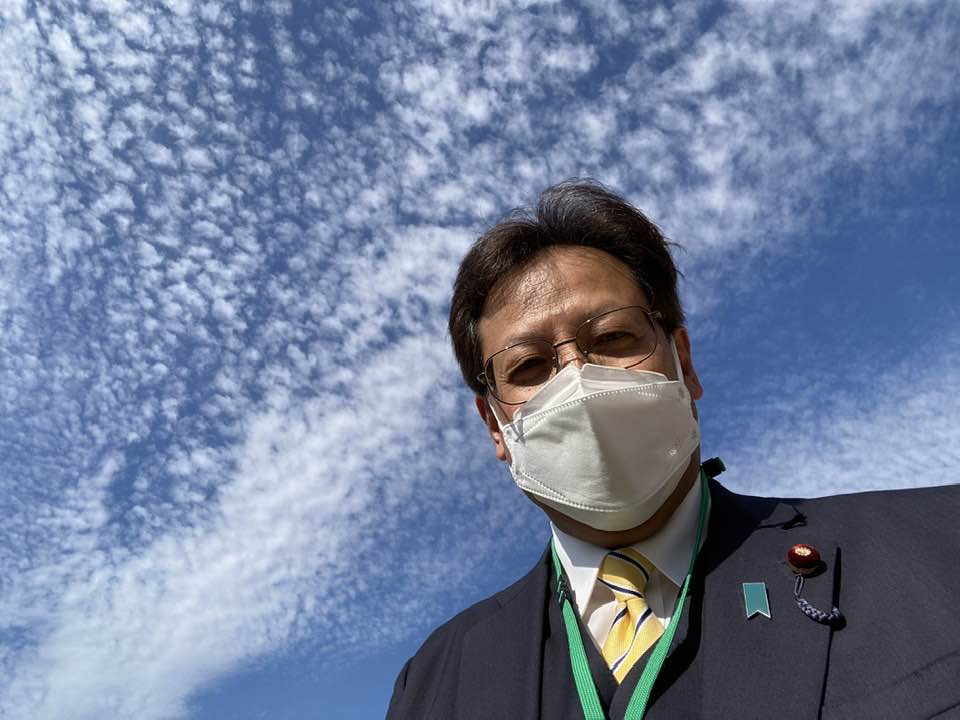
point(530, 370)
point(614, 335)
point(617, 347)
point(614, 338)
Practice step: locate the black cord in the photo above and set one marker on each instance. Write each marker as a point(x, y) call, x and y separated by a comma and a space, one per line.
point(832, 618)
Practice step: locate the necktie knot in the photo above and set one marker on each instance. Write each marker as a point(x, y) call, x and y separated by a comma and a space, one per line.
point(635, 628)
point(625, 572)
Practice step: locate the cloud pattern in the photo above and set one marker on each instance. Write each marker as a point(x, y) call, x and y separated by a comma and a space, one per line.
point(227, 241)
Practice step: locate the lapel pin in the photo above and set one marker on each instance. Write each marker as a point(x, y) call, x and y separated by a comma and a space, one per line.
point(755, 599)
point(805, 561)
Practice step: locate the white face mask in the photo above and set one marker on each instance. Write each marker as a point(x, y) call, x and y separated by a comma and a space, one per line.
point(605, 446)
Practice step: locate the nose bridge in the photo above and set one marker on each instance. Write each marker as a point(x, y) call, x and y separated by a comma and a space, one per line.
point(569, 351)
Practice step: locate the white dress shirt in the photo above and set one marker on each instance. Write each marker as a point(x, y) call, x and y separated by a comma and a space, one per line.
point(669, 550)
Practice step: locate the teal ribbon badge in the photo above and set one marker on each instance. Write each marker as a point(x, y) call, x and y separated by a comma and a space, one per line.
point(755, 599)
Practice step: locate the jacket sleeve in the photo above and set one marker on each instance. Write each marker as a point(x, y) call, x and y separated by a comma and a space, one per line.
point(427, 685)
point(397, 701)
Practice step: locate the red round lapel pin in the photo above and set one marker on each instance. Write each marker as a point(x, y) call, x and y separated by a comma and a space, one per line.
point(805, 561)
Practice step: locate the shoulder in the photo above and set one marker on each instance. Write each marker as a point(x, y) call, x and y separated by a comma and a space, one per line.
point(905, 499)
point(916, 515)
point(430, 678)
point(883, 533)
point(451, 633)
point(872, 528)
point(887, 507)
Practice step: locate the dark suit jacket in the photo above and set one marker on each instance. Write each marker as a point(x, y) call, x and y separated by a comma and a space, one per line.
point(891, 567)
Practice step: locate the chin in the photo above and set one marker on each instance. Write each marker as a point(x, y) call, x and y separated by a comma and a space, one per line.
point(621, 538)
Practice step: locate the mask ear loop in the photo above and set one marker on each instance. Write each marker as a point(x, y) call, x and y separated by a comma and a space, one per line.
point(494, 406)
point(676, 359)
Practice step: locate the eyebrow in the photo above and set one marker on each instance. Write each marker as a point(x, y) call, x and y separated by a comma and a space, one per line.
point(531, 335)
point(522, 337)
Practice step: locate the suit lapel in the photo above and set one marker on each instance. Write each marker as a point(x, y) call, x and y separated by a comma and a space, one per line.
point(761, 667)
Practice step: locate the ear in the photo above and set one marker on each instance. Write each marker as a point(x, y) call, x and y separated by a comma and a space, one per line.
point(690, 379)
point(486, 413)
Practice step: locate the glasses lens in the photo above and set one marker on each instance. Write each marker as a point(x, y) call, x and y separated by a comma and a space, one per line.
point(620, 338)
point(516, 373)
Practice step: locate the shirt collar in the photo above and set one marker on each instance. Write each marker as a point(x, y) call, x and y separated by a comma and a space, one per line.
point(669, 549)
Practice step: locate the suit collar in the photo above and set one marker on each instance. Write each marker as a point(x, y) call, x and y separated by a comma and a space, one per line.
point(669, 549)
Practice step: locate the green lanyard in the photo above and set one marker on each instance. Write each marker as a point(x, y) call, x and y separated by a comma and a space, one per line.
point(586, 688)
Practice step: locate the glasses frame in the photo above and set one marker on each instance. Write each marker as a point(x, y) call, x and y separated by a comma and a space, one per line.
point(654, 316)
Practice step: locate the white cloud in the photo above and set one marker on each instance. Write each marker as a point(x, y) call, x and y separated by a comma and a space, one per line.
point(224, 372)
point(874, 428)
point(67, 53)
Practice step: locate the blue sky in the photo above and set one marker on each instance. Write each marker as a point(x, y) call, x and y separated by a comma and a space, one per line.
point(239, 475)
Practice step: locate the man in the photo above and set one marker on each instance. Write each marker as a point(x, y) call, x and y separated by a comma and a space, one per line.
point(661, 591)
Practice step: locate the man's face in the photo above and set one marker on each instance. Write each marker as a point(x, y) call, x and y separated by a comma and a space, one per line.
point(555, 294)
point(550, 299)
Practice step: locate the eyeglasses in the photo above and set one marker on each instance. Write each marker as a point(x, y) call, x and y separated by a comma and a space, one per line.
point(618, 338)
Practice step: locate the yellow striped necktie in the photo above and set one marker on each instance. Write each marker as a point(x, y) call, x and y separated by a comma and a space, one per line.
point(635, 628)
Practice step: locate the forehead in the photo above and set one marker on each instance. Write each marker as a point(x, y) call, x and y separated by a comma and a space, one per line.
point(553, 294)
